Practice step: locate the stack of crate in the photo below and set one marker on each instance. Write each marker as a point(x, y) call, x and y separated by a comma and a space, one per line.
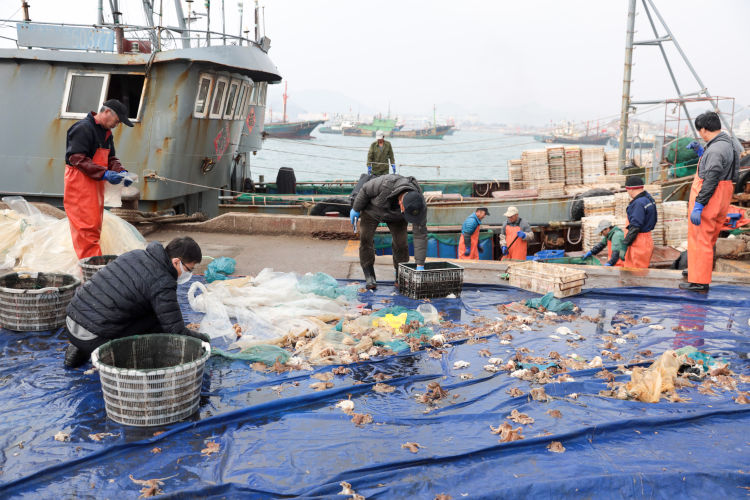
point(556, 162)
point(573, 166)
point(515, 174)
point(675, 222)
point(621, 204)
point(535, 168)
point(592, 162)
point(552, 190)
point(599, 205)
point(610, 162)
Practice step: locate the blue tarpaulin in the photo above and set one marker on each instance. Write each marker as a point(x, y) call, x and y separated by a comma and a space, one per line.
point(279, 438)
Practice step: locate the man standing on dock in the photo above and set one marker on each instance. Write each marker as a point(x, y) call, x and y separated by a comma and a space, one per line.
point(397, 201)
point(380, 156)
point(710, 196)
point(468, 245)
point(642, 217)
point(90, 161)
point(515, 235)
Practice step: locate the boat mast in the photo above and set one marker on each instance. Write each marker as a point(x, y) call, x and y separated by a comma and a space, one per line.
point(285, 98)
point(626, 86)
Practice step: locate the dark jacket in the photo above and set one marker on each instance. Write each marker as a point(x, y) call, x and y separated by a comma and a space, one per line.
point(378, 197)
point(84, 138)
point(380, 158)
point(138, 283)
point(641, 216)
point(720, 162)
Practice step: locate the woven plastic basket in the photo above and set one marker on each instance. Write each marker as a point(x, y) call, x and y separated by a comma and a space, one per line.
point(34, 302)
point(150, 380)
point(90, 265)
point(437, 280)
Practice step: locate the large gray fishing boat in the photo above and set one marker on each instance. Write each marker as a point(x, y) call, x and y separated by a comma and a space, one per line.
point(197, 100)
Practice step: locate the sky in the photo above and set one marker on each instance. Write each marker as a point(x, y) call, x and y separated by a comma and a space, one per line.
point(528, 61)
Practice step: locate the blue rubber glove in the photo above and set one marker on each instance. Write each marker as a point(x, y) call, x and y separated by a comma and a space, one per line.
point(504, 250)
point(369, 169)
point(394, 168)
point(607, 264)
point(467, 251)
point(521, 235)
point(420, 268)
point(480, 247)
point(354, 217)
point(587, 255)
point(695, 215)
point(695, 146)
point(112, 177)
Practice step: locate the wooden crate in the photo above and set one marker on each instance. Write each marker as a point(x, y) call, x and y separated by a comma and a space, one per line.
point(543, 278)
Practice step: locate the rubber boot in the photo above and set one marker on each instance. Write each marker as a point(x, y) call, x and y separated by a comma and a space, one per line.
point(370, 281)
point(74, 357)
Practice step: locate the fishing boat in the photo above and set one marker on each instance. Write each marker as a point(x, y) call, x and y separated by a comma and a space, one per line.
point(197, 105)
point(290, 130)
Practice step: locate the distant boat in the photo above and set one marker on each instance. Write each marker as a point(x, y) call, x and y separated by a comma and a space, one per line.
point(422, 133)
point(291, 130)
point(598, 140)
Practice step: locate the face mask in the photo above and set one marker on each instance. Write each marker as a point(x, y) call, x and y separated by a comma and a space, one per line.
point(185, 276)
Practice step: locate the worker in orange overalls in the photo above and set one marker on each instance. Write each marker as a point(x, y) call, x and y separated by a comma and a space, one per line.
point(710, 196)
point(642, 216)
point(468, 244)
point(514, 235)
point(89, 162)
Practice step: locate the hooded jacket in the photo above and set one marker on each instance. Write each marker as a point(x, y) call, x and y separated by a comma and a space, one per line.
point(720, 162)
point(377, 196)
point(137, 284)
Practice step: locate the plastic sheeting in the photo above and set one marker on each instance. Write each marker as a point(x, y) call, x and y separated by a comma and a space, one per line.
point(32, 241)
point(276, 435)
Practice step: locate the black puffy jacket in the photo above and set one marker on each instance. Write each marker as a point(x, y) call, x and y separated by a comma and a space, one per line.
point(137, 284)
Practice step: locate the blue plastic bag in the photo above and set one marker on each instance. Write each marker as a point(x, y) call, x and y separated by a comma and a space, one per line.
point(220, 269)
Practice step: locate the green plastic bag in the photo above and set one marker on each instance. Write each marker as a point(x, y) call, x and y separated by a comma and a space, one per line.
point(220, 269)
point(550, 303)
point(264, 353)
point(326, 286)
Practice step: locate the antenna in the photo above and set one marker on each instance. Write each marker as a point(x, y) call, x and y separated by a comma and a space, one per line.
point(285, 96)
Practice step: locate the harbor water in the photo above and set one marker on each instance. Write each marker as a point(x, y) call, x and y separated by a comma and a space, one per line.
point(461, 156)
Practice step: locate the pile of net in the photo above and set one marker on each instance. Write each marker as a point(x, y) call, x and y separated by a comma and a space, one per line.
point(32, 241)
point(289, 319)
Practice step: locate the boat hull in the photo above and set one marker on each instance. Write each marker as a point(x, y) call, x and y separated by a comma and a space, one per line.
point(291, 130)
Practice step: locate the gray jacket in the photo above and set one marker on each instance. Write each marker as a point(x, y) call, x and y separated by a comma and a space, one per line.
point(525, 227)
point(377, 196)
point(720, 162)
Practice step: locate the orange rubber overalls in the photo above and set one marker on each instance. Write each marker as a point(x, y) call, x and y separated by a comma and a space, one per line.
point(84, 205)
point(620, 261)
point(701, 239)
point(474, 254)
point(517, 250)
point(640, 251)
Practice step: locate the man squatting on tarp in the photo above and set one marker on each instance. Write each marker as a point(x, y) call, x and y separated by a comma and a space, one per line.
point(135, 294)
point(397, 201)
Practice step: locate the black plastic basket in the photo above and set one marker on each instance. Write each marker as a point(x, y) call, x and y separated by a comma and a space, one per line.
point(437, 280)
point(90, 265)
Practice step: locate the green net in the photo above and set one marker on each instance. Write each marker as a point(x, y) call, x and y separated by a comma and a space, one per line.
point(411, 314)
point(678, 152)
point(550, 303)
point(263, 353)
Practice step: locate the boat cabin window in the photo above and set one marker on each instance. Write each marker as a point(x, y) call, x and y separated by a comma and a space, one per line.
point(128, 89)
point(86, 91)
point(231, 96)
point(241, 100)
point(262, 93)
point(204, 95)
point(218, 98)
